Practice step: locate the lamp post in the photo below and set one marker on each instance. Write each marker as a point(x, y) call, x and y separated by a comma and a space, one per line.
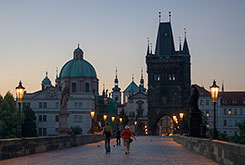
point(113, 119)
point(214, 90)
point(92, 115)
point(20, 93)
point(105, 117)
point(181, 115)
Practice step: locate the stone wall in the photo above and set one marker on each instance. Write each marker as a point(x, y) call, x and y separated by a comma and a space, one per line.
point(10, 148)
point(218, 151)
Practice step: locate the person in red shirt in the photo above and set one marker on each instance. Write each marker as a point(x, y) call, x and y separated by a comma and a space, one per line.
point(126, 135)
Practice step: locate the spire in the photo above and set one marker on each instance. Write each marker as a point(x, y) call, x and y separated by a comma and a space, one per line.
point(185, 46)
point(151, 48)
point(132, 77)
point(180, 44)
point(103, 92)
point(223, 86)
point(159, 15)
point(165, 41)
point(116, 79)
point(56, 72)
point(148, 49)
point(141, 86)
point(169, 15)
point(46, 73)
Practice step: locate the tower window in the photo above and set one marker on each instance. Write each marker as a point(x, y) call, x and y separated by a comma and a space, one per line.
point(87, 87)
point(157, 77)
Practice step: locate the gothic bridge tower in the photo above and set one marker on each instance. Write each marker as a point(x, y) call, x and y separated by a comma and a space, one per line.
point(169, 78)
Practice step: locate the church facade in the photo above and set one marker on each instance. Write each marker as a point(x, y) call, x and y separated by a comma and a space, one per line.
point(169, 78)
point(81, 79)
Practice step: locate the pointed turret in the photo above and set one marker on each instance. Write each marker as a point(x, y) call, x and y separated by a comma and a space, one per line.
point(116, 88)
point(148, 48)
point(141, 86)
point(116, 91)
point(165, 41)
point(185, 46)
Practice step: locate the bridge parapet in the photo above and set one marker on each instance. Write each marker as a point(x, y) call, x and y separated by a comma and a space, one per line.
point(10, 148)
point(218, 151)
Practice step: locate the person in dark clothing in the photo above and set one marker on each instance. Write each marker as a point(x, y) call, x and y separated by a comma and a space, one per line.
point(118, 136)
point(107, 132)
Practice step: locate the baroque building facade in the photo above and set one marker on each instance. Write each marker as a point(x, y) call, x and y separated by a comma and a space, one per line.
point(81, 79)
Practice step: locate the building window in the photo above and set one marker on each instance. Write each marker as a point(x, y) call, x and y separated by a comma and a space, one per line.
point(201, 102)
point(207, 102)
point(56, 118)
point(207, 114)
point(44, 132)
point(229, 112)
point(40, 118)
point(207, 125)
point(45, 105)
point(26, 105)
point(225, 122)
point(44, 118)
point(75, 104)
point(78, 118)
point(40, 105)
point(57, 105)
point(241, 112)
point(157, 77)
point(225, 112)
point(80, 104)
point(86, 87)
point(73, 87)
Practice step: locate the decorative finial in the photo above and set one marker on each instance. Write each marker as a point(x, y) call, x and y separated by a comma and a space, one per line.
point(185, 32)
point(56, 72)
point(151, 47)
point(78, 45)
point(179, 43)
point(132, 77)
point(141, 72)
point(116, 72)
point(103, 86)
point(169, 14)
point(159, 17)
point(148, 41)
point(46, 73)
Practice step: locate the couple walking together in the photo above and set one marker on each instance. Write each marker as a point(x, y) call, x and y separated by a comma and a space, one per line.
point(126, 135)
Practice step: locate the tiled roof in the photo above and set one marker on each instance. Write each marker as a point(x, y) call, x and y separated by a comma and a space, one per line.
point(233, 98)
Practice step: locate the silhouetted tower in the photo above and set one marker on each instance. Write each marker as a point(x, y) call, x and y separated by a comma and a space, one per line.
point(116, 91)
point(169, 77)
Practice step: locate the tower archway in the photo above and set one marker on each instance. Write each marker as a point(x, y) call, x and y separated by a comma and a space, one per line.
point(165, 126)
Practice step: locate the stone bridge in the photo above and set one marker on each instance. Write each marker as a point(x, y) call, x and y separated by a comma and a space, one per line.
point(148, 150)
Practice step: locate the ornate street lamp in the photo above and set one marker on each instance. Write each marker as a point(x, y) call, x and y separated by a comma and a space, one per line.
point(19, 93)
point(92, 115)
point(214, 90)
point(112, 118)
point(120, 119)
point(105, 117)
point(135, 122)
point(181, 115)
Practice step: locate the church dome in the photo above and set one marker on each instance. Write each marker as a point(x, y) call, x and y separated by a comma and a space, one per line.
point(78, 67)
point(46, 80)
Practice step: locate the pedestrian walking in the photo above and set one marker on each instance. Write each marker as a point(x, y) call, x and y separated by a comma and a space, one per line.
point(126, 135)
point(107, 132)
point(118, 136)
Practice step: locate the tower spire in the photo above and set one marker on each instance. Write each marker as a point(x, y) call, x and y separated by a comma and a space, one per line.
point(148, 49)
point(151, 48)
point(159, 15)
point(180, 44)
point(185, 45)
point(132, 77)
point(169, 15)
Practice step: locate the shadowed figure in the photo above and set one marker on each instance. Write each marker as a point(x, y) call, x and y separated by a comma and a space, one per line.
point(195, 119)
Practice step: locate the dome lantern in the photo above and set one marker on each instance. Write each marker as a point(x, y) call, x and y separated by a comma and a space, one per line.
point(78, 53)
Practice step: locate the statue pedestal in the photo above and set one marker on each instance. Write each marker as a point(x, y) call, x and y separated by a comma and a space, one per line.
point(63, 128)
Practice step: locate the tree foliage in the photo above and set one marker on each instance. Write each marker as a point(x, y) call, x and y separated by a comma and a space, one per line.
point(29, 125)
point(8, 116)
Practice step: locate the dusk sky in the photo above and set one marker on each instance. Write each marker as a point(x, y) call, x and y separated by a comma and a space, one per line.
point(39, 35)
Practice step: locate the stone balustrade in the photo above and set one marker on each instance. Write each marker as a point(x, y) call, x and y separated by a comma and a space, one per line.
point(10, 148)
point(218, 151)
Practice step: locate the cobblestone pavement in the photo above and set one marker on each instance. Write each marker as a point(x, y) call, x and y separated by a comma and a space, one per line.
point(146, 150)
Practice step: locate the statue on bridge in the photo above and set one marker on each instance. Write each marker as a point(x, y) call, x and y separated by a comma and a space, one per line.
point(63, 114)
point(195, 119)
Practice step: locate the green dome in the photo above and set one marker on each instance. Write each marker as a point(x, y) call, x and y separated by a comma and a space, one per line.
point(77, 68)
